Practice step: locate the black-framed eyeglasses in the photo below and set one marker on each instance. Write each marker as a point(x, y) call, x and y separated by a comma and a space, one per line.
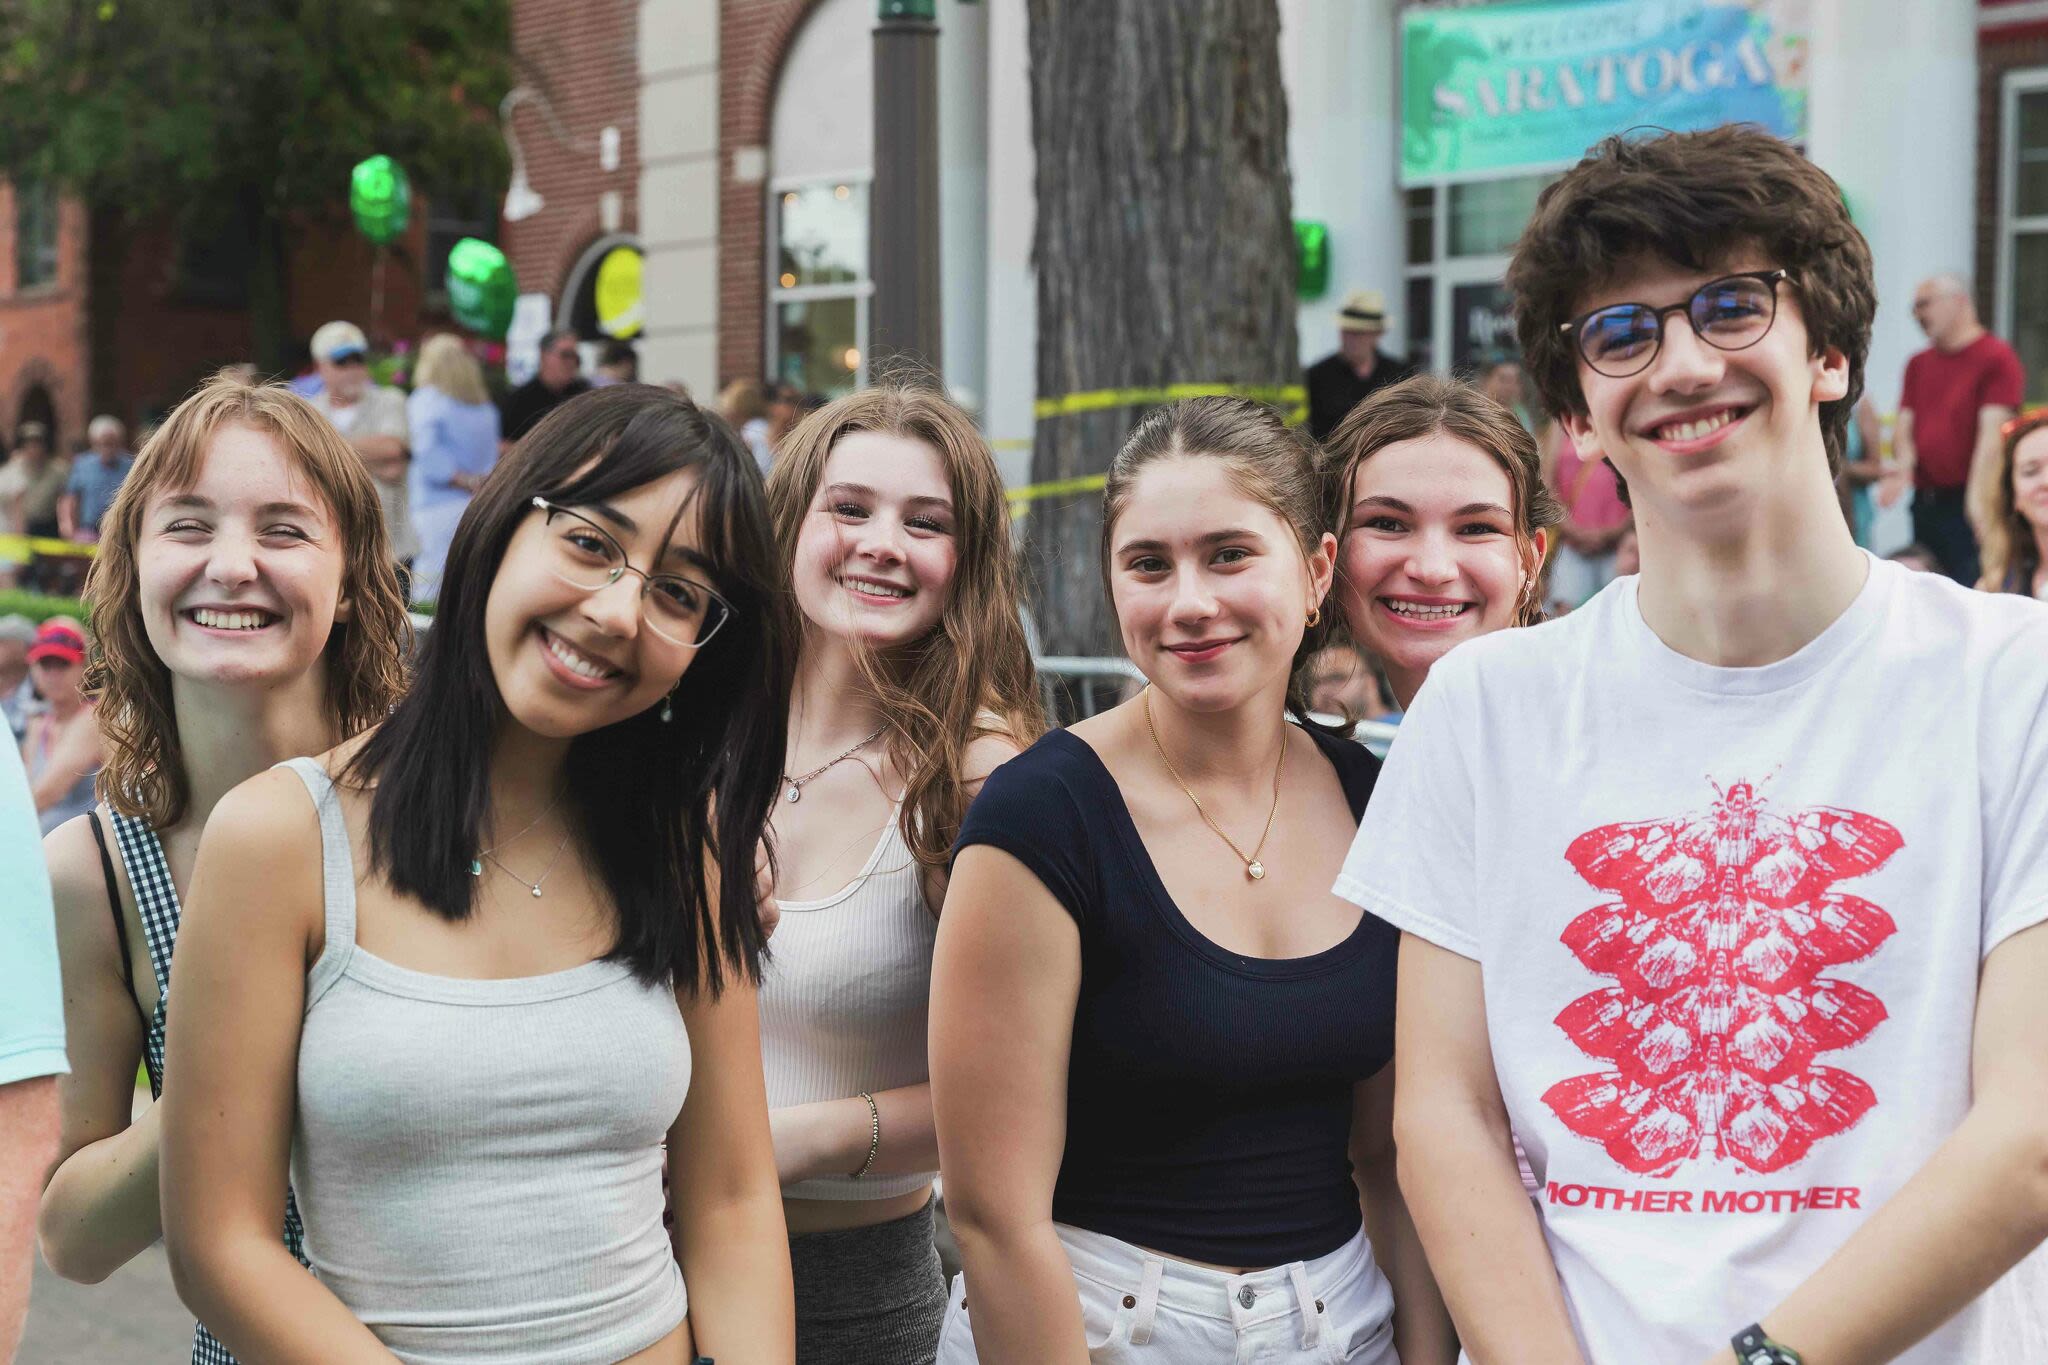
point(584, 555)
point(1732, 313)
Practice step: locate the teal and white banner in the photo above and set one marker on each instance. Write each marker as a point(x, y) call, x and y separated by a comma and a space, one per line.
point(1520, 87)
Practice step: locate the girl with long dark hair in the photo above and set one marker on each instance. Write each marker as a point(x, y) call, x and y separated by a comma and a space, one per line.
point(478, 975)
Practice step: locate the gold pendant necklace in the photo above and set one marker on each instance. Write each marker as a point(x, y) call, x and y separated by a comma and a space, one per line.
point(1253, 868)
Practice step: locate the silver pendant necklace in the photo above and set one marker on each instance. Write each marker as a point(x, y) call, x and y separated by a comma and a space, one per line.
point(796, 784)
point(476, 868)
point(476, 864)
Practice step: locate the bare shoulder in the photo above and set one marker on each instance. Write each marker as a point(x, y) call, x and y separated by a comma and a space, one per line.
point(73, 857)
point(984, 754)
point(78, 894)
point(266, 828)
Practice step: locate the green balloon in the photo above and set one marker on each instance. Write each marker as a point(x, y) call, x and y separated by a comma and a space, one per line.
point(481, 287)
point(380, 198)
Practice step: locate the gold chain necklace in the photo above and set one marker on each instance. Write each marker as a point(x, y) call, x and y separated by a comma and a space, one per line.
point(1253, 868)
point(796, 784)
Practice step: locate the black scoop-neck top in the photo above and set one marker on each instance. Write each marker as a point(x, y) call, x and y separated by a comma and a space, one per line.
point(1209, 1094)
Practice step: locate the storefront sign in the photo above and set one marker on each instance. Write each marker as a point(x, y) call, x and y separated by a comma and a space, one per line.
point(1482, 326)
point(1529, 86)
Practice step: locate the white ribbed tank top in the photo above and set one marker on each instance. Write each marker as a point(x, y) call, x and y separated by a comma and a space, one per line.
point(845, 997)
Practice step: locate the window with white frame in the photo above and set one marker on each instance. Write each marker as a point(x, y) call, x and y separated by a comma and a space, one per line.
point(1459, 240)
point(819, 288)
point(35, 234)
point(2021, 312)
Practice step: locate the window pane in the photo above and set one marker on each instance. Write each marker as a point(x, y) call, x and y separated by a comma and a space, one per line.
point(1422, 225)
point(35, 240)
point(2030, 310)
point(1421, 322)
point(1488, 215)
point(2030, 145)
point(822, 235)
point(818, 344)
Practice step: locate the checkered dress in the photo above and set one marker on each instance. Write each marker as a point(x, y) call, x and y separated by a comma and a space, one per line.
point(156, 900)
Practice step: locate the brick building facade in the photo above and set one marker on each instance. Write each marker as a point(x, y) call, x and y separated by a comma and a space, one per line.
point(580, 76)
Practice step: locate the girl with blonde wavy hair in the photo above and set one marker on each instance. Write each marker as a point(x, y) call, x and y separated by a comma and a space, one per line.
point(914, 682)
point(244, 611)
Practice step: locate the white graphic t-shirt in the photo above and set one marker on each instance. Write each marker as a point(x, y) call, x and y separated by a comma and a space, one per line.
point(1730, 922)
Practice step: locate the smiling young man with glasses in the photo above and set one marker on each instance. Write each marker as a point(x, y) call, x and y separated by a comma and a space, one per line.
point(1757, 977)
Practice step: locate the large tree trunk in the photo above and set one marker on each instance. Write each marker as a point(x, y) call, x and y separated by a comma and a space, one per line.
point(1164, 246)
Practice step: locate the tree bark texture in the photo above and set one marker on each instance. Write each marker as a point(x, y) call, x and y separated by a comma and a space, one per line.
point(1164, 247)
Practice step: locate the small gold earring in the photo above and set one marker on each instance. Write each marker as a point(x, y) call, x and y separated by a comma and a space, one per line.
point(1315, 617)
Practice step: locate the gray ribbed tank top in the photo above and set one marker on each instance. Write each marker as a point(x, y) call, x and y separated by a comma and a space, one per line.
point(845, 998)
point(479, 1162)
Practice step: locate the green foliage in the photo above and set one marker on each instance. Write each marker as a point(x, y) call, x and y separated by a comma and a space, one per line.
point(249, 105)
point(38, 607)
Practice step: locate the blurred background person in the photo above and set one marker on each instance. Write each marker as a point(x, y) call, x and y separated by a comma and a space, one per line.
point(744, 405)
point(1916, 557)
point(559, 378)
point(1866, 481)
point(1628, 553)
point(371, 418)
point(17, 691)
point(617, 363)
point(455, 435)
point(33, 481)
point(1342, 380)
point(1501, 380)
point(95, 477)
point(1594, 519)
point(1958, 393)
point(1342, 681)
point(61, 745)
point(2016, 539)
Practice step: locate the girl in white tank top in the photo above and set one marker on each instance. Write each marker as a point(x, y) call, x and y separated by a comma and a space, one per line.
point(913, 682)
point(479, 979)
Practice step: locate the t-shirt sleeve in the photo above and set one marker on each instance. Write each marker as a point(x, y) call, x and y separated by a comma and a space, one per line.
point(1909, 389)
point(31, 999)
point(1028, 811)
point(1413, 862)
point(2006, 385)
point(2016, 823)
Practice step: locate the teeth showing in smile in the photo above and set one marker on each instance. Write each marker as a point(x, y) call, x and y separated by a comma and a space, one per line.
point(1417, 612)
point(231, 620)
point(579, 664)
point(870, 586)
point(1692, 431)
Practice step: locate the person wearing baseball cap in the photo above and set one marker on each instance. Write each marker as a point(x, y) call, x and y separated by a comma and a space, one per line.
point(1341, 381)
point(372, 418)
point(62, 745)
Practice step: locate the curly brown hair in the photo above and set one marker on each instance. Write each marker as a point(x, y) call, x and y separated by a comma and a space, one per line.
point(1692, 199)
point(1423, 406)
point(144, 776)
point(970, 676)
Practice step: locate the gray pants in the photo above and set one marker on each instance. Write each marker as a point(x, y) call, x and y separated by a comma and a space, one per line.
point(869, 1296)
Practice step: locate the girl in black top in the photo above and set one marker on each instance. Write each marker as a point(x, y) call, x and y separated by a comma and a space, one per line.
point(1159, 1043)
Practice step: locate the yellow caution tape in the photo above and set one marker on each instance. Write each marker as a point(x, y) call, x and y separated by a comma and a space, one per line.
point(1096, 400)
point(1293, 397)
point(17, 546)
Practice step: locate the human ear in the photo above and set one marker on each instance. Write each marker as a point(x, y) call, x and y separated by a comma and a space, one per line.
point(1830, 375)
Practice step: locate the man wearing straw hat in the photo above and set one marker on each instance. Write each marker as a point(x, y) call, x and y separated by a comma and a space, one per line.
point(1338, 383)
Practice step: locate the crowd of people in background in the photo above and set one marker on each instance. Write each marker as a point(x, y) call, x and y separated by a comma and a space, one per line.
point(614, 976)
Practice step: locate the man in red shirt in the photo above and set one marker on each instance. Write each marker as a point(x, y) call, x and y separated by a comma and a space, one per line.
point(1958, 392)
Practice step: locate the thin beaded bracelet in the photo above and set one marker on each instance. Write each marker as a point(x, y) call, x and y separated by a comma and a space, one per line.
point(874, 1134)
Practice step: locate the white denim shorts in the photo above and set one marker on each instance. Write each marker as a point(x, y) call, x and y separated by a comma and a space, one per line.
point(1138, 1307)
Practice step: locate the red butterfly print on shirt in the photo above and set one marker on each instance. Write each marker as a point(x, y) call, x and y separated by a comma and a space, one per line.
point(1721, 926)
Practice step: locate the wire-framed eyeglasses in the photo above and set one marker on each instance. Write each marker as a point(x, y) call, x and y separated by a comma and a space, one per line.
point(584, 555)
point(1732, 313)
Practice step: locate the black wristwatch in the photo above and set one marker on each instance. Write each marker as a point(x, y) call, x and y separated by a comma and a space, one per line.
point(1752, 1347)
